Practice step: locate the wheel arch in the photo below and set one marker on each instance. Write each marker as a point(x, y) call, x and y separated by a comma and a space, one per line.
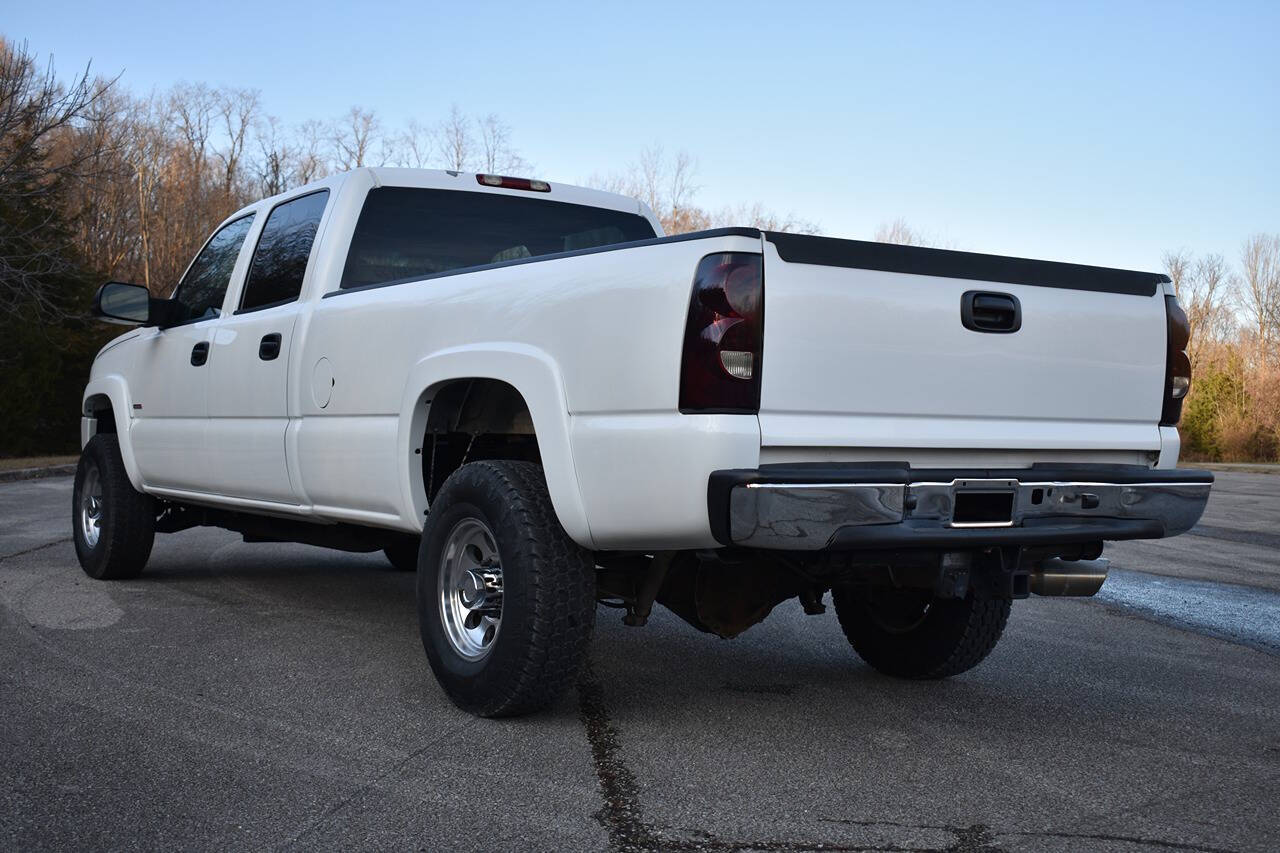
point(533, 376)
point(106, 398)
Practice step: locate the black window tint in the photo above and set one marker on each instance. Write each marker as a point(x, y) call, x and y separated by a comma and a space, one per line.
point(203, 287)
point(279, 262)
point(405, 233)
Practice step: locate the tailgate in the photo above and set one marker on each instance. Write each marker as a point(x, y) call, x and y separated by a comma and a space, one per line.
point(865, 346)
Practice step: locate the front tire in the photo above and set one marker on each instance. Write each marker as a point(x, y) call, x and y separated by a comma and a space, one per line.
point(909, 634)
point(506, 600)
point(114, 525)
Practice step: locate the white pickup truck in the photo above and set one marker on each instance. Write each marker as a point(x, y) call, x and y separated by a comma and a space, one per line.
point(526, 393)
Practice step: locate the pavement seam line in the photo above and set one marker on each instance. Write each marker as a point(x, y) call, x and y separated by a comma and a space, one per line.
point(619, 813)
point(34, 548)
point(368, 786)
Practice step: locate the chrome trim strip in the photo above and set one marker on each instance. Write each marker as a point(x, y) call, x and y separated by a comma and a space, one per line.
point(822, 485)
point(953, 482)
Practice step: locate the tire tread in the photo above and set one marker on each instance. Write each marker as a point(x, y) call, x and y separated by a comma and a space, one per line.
point(561, 587)
point(961, 638)
point(128, 532)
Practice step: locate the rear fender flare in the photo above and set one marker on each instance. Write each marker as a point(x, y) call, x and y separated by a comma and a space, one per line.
point(534, 374)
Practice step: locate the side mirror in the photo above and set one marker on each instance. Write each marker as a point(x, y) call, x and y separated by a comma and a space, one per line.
point(126, 304)
point(133, 305)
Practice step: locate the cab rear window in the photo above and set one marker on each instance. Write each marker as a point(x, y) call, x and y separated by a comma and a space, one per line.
point(405, 233)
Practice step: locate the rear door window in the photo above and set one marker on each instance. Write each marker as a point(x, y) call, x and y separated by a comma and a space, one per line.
point(280, 260)
point(406, 233)
point(203, 288)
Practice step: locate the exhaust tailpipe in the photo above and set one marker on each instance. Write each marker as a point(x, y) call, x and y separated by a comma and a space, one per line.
point(1055, 576)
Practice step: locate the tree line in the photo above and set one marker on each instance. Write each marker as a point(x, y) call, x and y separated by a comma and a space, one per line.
point(1233, 409)
point(98, 183)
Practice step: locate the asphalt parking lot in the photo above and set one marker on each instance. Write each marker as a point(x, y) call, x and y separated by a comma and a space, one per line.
point(248, 696)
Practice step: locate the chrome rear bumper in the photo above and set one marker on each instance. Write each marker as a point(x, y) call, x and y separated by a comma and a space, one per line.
point(809, 508)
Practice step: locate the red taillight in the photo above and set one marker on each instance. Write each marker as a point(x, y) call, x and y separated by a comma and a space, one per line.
point(513, 183)
point(724, 336)
point(1177, 370)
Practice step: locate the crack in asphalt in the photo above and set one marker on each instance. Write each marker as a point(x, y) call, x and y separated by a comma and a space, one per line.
point(779, 689)
point(387, 773)
point(623, 818)
point(1128, 839)
point(33, 549)
point(980, 837)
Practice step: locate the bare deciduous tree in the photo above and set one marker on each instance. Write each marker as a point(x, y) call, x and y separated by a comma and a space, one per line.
point(194, 105)
point(353, 138)
point(459, 143)
point(1205, 288)
point(497, 156)
point(898, 231)
point(146, 153)
point(276, 155)
point(666, 185)
point(1178, 266)
point(1208, 304)
point(37, 113)
point(238, 109)
point(454, 143)
point(417, 146)
point(309, 162)
point(1260, 265)
point(757, 216)
point(101, 203)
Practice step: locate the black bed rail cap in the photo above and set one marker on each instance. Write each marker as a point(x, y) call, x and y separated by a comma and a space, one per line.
point(948, 263)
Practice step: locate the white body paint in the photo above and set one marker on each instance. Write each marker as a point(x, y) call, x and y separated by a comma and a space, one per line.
point(858, 366)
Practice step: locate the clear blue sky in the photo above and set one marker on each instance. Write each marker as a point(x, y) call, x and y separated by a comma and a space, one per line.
point(1099, 133)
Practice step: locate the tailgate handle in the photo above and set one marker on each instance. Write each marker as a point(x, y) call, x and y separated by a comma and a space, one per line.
point(982, 311)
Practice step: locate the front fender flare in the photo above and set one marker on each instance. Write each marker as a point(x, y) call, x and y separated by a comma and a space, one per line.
point(114, 388)
point(534, 374)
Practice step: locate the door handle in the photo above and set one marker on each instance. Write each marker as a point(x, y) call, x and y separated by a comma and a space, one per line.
point(999, 313)
point(269, 348)
point(200, 353)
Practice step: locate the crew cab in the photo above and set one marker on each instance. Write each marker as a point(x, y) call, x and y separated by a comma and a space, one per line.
point(527, 394)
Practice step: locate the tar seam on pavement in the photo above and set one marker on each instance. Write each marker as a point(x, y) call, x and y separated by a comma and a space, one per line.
point(620, 814)
point(622, 817)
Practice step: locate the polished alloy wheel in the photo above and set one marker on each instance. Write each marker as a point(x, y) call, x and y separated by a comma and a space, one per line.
point(470, 589)
point(91, 507)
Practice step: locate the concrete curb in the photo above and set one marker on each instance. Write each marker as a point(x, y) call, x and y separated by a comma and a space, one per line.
point(37, 473)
